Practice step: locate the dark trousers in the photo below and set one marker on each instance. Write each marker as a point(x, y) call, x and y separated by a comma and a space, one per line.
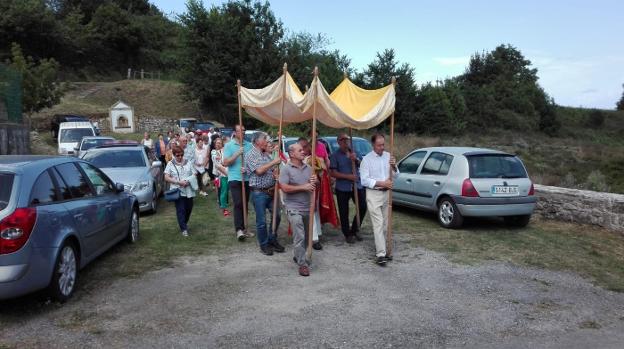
point(184, 207)
point(236, 190)
point(343, 198)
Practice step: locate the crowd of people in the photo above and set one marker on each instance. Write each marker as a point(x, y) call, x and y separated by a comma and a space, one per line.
point(197, 163)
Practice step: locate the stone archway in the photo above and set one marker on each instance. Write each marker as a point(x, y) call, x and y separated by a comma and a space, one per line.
point(122, 122)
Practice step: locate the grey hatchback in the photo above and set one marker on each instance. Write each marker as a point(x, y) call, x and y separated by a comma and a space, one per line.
point(461, 181)
point(56, 215)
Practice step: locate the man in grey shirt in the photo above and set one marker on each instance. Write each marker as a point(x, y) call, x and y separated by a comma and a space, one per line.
point(297, 181)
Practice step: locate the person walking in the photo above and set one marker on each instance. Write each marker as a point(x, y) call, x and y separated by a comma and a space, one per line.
point(298, 181)
point(161, 148)
point(377, 170)
point(232, 160)
point(341, 168)
point(220, 172)
point(201, 161)
point(260, 166)
point(147, 141)
point(180, 174)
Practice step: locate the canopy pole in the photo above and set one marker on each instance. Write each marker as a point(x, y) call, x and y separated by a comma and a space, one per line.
point(313, 163)
point(355, 185)
point(389, 243)
point(279, 149)
point(242, 144)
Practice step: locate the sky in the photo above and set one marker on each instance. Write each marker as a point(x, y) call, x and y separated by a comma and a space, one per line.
point(577, 46)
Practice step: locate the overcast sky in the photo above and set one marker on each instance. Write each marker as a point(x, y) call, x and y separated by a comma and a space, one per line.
point(577, 46)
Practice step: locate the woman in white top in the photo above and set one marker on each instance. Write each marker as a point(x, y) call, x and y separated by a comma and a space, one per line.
point(201, 161)
point(180, 173)
point(147, 141)
point(220, 172)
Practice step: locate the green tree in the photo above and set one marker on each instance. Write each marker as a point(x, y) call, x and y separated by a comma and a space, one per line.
point(40, 88)
point(620, 104)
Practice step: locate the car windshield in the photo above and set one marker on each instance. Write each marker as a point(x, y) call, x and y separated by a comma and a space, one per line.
point(116, 158)
point(92, 143)
point(70, 135)
point(496, 166)
point(204, 125)
point(362, 147)
point(6, 185)
point(186, 123)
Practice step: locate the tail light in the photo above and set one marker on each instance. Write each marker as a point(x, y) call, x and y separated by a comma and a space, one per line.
point(532, 190)
point(468, 189)
point(15, 229)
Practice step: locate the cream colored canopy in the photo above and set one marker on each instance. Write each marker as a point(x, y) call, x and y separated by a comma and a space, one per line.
point(347, 106)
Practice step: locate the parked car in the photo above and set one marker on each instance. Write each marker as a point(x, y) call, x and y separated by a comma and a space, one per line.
point(58, 119)
point(71, 133)
point(91, 142)
point(186, 124)
point(56, 215)
point(133, 165)
point(362, 146)
point(203, 126)
point(461, 182)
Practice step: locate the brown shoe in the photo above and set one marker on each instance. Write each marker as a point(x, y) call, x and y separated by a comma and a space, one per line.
point(304, 270)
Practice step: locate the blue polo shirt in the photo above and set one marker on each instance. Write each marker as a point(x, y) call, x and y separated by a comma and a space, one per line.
point(234, 170)
point(341, 163)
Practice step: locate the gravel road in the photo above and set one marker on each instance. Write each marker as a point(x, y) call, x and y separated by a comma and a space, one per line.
point(241, 298)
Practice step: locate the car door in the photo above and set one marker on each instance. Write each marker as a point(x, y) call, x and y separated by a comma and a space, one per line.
point(51, 213)
point(431, 178)
point(403, 186)
point(105, 189)
point(87, 210)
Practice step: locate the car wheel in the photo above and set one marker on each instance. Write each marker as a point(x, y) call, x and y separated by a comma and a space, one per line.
point(154, 204)
point(518, 221)
point(448, 214)
point(65, 273)
point(133, 228)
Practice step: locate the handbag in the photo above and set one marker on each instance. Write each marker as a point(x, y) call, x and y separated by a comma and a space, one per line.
point(172, 195)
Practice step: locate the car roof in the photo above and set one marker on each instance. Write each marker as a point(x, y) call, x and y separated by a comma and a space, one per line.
point(465, 151)
point(75, 124)
point(31, 163)
point(97, 137)
point(333, 138)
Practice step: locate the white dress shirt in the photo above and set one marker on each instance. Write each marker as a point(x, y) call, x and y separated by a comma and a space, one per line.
point(375, 168)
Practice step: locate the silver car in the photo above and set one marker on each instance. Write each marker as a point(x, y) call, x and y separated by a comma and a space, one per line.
point(459, 182)
point(133, 165)
point(89, 142)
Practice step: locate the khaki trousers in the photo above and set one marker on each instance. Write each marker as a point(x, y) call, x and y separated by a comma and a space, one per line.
point(377, 204)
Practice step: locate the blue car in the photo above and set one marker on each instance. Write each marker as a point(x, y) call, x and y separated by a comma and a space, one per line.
point(57, 214)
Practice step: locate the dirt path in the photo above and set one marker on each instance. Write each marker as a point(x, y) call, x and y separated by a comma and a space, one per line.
point(245, 299)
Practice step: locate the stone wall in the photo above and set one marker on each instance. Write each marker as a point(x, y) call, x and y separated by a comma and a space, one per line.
point(14, 139)
point(581, 206)
point(150, 124)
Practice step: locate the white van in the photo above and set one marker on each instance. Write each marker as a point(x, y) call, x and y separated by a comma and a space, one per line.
point(71, 133)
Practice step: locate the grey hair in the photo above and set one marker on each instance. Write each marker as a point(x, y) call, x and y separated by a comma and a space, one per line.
point(291, 148)
point(258, 136)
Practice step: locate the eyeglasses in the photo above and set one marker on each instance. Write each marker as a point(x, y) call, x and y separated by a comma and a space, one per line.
point(178, 155)
point(343, 139)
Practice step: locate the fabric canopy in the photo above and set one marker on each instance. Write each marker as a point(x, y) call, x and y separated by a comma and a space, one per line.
point(347, 106)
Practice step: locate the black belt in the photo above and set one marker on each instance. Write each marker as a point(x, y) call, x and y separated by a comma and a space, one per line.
point(378, 189)
point(264, 190)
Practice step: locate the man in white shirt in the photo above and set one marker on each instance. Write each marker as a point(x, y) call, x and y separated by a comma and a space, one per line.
point(377, 170)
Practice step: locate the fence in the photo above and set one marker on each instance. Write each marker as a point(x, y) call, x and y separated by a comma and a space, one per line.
point(141, 74)
point(10, 95)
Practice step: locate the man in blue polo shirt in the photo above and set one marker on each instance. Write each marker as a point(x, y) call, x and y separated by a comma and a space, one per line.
point(232, 154)
point(341, 168)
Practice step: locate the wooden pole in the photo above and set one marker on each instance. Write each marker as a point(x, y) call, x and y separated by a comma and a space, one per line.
point(313, 162)
point(389, 243)
point(242, 156)
point(279, 148)
point(356, 194)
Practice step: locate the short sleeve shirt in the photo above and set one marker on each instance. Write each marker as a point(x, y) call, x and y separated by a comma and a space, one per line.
point(342, 164)
point(234, 170)
point(254, 159)
point(293, 175)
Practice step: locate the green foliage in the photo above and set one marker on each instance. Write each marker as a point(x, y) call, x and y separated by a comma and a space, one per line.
point(620, 104)
point(597, 181)
point(39, 81)
point(596, 119)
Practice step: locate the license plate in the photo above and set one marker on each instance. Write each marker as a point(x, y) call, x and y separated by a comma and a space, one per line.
point(508, 190)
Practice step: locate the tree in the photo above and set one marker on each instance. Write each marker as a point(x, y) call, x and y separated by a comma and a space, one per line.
point(39, 81)
point(620, 104)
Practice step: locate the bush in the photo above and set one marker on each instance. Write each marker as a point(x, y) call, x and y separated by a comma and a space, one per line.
point(596, 119)
point(597, 181)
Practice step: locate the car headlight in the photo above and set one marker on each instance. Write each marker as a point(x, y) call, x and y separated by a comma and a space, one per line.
point(139, 186)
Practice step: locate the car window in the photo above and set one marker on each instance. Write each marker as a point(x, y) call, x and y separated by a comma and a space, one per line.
point(496, 166)
point(77, 184)
point(6, 186)
point(92, 143)
point(100, 182)
point(43, 190)
point(75, 134)
point(60, 184)
point(362, 147)
point(412, 162)
point(437, 164)
point(116, 158)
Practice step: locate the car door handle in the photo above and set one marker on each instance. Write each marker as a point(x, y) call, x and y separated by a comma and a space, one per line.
point(436, 183)
point(78, 215)
point(408, 180)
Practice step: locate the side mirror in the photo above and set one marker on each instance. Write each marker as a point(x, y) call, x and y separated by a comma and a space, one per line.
point(156, 164)
point(119, 187)
point(76, 149)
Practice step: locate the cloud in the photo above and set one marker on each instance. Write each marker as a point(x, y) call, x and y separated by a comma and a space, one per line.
point(590, 90)
point(450, 61)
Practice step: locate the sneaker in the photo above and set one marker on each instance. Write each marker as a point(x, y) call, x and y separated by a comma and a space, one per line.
point(304, 271)
point(249, 234)
point(266, 250)
point(381, 260)
point(317, 245)
point(277, 247)
point(226, 213)
point(184, 232)
point(240, 235)
point(350, 239)
point(388, 258)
